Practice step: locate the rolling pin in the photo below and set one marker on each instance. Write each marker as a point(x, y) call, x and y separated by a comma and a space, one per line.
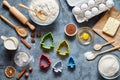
point(18, 15)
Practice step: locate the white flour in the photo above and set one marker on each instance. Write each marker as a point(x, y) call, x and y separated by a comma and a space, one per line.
point(51, 7)
point(108, 65)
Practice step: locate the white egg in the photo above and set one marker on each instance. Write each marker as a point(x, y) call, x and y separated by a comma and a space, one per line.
point(88, 14)
point(76, 10)
point(84, 6)
point(109, 3)
point(91, 3)
point(95, 10)
point(98, 1)
point(102, 7)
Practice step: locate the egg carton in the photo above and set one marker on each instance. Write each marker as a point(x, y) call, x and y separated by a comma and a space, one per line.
point(83, 10)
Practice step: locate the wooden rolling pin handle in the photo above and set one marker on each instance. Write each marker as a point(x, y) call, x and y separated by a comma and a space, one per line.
point(6, 4)
point(32, 27)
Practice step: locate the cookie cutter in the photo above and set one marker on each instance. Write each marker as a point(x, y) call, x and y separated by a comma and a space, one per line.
point(57, 67)
point(45, 37)
point(71, 63)
point(47, 60)
point(64, 43)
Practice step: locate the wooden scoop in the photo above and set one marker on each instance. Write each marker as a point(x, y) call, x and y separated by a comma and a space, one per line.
point(99, 46)
point(40, 14)
point(20, 30)
point(97, 54)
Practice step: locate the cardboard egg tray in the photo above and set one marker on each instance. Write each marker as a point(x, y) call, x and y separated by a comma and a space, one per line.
point(81, 17)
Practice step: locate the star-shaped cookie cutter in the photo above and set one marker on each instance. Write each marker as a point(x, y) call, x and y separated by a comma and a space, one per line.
point(45, 37)
point(47, 60)
point(58, 67)
point(64, 43)
point(71, 63)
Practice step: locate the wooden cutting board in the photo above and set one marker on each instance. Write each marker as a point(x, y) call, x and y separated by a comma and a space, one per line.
point(100, 24)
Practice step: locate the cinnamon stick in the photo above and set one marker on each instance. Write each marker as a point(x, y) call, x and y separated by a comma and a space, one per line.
point(25, 43)
point(21, 73)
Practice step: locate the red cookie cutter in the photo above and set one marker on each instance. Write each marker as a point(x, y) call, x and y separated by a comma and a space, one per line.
point(46, 63)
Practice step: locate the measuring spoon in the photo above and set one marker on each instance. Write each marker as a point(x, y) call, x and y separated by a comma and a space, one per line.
point(19, 29)
point(40, 14)
point(99, 46)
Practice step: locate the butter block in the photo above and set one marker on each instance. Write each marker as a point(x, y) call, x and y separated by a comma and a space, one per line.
point(111, 26)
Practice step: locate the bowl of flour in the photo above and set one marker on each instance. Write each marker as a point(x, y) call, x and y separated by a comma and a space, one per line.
point(49, 7)
point(109, 66)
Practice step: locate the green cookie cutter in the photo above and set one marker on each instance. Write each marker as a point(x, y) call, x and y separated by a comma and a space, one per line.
point(64, 43)
point(45, 37)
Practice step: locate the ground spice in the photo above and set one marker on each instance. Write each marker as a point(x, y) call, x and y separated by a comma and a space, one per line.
point(70, 29)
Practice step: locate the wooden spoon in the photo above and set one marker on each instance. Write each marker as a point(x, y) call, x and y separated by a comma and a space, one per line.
point(19, 29)
point(94, 55)
point(40, 14)
point(99, 46)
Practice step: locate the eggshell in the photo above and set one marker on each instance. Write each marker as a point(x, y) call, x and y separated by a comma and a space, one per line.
point(91, 3)
point(88, 14)
point(102, 7)
point(76, 10)
point(84, 6)
point(95, 10)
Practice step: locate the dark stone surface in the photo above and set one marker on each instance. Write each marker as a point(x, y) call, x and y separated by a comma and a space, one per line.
point(85, 70)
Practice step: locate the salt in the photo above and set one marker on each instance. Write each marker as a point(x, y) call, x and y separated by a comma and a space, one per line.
point(89, 55)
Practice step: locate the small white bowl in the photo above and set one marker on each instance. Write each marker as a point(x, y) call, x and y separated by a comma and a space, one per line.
point(70, 34)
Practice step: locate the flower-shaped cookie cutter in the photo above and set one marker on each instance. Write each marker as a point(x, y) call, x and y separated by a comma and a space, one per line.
point(45, 59)
point(71, 63)
point(57, 67)
point(45, 37)
point(64, 43)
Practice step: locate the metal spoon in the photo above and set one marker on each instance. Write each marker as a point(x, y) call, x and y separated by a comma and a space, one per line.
point(94, 55)
point(19, 29)
point(99, 46)
point(40, 14)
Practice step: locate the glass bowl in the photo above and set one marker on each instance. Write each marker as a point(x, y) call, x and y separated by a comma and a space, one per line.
point(90, 35)
point(36, 20)
point(116, 74)
point(22, 59)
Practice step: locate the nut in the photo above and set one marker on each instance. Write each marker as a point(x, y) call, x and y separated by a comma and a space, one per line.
point(26, 75)
point(30, 69)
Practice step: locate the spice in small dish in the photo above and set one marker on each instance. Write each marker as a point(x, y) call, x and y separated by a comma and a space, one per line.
point(70, 29)
point(32, 34)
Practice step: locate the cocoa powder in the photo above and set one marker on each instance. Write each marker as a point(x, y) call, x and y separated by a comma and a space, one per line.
point(70, 29)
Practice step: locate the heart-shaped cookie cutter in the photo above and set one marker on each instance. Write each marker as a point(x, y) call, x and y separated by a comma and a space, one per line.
point(71, 63)
point(47, 60)
point(45, 37)
point(64, 43)
point(58, 67)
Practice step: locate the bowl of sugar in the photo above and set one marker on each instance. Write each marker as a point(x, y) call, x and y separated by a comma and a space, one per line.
point(48, 11)
point(109, 66)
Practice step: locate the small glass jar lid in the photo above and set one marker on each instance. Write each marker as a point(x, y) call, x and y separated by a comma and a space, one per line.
point(85, 35)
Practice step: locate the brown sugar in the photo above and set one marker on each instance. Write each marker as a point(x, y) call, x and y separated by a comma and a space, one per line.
point(70, 29)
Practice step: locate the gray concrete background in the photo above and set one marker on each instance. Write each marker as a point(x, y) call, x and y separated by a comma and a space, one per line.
point(84, 70)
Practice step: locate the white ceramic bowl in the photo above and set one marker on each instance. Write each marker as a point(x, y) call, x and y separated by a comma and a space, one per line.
point(42, 23)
